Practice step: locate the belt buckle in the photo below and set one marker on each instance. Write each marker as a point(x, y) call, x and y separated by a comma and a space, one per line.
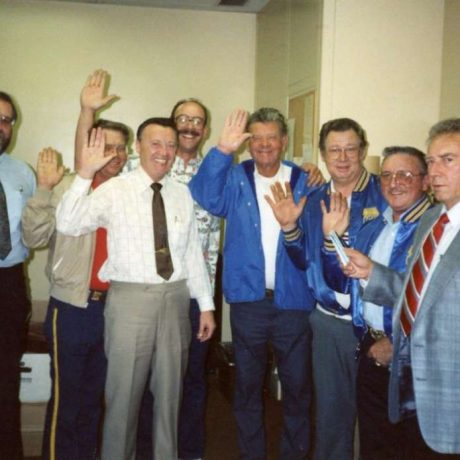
point(97, 296)
point(269, 294)
point(376, 334)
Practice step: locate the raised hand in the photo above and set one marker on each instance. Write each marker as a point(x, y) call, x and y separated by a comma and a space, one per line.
point(92, 156)
point(315, 176)
point(93, 95)
point(337, 217)
point(234, 132)
point(49, 172)
point(284, 208)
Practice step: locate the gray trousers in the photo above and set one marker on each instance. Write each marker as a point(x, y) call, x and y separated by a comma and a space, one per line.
point(334, 374)
point(146, 327)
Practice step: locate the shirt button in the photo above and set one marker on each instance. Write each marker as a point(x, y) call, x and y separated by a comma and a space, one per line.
point(249, 203)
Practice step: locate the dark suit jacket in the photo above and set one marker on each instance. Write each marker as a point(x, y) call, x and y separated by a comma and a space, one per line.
point(434, 341)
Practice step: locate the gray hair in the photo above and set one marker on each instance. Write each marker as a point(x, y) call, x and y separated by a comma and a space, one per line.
point(449, 126)
point(267, 115)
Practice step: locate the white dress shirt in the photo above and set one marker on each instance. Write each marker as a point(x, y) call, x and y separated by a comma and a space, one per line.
point(123, 205)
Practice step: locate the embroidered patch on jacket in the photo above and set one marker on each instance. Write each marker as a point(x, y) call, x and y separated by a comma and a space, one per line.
point(370, 214)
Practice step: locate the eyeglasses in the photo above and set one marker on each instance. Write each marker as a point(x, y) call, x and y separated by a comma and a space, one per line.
point(119, 149)
point(4, 120)
point(350, 151)
point(198, 122)
point(401, 177)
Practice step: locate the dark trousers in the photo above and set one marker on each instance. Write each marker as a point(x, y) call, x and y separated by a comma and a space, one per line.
point(379, 439)
point(78, 370)
point(193, 408)
point(14, 311)
point(334, 374)
point(254, 326)
point(413, 445)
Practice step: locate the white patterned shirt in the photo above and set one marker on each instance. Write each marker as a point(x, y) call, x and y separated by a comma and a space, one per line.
point(208, 225)
point(123, 205)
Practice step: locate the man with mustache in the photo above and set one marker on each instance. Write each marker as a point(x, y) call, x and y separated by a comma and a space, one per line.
point(191, 118)
point(74, 324)
point(387, 239)
point(17, 184)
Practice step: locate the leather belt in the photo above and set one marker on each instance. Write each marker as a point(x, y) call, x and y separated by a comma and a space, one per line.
point(269, 294)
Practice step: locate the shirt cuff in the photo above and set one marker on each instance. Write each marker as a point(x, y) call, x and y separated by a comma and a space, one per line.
point(205, 303)
point(363, 283)
point(81, 185)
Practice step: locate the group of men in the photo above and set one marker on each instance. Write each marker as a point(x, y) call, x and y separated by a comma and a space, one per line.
point(132, 265)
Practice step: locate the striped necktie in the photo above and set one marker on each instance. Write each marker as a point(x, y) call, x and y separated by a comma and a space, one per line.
point(5, 237)
point(418, 275)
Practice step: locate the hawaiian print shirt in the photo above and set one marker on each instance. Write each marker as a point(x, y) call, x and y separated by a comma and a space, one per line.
point(208, 225)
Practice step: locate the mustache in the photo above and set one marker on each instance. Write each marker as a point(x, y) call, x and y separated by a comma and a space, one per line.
point(190, 132)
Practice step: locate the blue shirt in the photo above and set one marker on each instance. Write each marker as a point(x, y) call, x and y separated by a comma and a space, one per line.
point(381, 252)
point(18, 182)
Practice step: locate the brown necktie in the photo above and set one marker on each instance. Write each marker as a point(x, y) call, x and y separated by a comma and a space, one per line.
point(5, 238)
point(160, 231)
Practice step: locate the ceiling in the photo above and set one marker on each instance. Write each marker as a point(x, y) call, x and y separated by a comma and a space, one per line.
point(235, 6)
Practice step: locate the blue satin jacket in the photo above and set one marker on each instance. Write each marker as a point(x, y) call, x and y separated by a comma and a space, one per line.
point(229, 191)
point(364, 242)
point(367, 203)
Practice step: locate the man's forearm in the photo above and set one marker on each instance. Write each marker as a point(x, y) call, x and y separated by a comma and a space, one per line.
point(38, 219)
point(73, 216)
point(84, 125)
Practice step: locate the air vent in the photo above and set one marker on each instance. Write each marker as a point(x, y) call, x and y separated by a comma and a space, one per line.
point(232, 2)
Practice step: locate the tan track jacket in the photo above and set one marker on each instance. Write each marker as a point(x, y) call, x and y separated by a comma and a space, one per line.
point(70, 259)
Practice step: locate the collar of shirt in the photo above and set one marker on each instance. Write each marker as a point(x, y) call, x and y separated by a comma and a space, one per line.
point(3, 157)
point(454, 214)
point(360, 186)
point(193, 164)
point(410, 215)
point(146, 181)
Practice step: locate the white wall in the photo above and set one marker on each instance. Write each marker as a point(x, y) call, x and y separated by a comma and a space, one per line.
point(381, 65)
point(450, 91)
point(288, 51)
point(155, 57)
